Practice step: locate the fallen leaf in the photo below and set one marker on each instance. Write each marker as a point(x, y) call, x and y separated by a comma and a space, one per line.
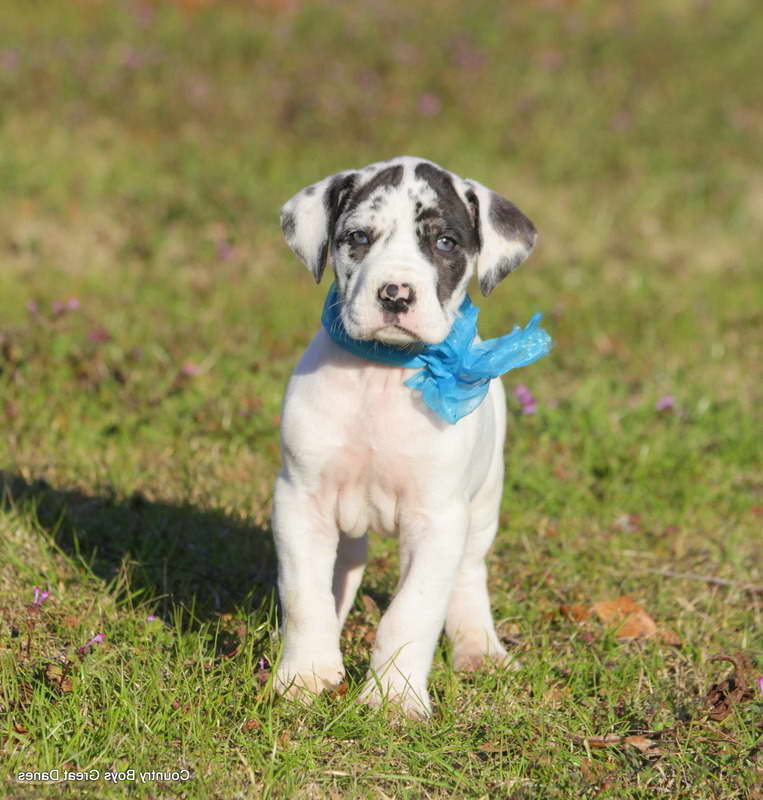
point(56, 677)
point(575, 612)
point(636, 626)
point(251, 725)
point(610, 611)
point(608, 740)
point(635, 622)
point(737, 688)
point(492, 747)
point(20, 729)
point(669, 637)
point(369, 604)
point(643, 744)
point(339, 691)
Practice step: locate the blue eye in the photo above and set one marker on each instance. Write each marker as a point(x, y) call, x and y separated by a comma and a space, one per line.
point(359, 237)
point(445, 244)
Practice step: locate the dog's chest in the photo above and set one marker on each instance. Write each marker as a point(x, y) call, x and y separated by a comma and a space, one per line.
point(383, 452)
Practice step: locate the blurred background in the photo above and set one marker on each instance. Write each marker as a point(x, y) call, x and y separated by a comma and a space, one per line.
point(150, 316)
point(150, 313)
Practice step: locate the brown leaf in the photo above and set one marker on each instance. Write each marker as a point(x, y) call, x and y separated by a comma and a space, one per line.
point(608, 740)
point(492, 747)
point(611, 611)
point(339, 691)
point(736, 689)
point(636, 626)
point(55, 675)
point(635, 622)
point(667, 636)
point(20, 729)
point(575, 612)
point(643, 744)
point(251, 725)
point(369, 604)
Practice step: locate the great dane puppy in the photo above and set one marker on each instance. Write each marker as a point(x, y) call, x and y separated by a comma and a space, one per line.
point(360, 449)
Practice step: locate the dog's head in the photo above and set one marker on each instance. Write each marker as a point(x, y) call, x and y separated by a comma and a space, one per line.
point(405, 236)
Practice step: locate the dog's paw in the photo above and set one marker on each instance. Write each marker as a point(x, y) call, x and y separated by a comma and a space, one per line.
point(408, 698)
point(472, 659)
point(305, 684)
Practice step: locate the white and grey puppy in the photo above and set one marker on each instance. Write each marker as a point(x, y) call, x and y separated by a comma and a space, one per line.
point(361, 450)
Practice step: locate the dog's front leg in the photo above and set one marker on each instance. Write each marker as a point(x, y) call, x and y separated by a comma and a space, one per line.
point(431, 546)
point(306, 542)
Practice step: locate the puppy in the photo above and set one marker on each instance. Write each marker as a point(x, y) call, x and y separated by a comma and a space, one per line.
point(361, 449)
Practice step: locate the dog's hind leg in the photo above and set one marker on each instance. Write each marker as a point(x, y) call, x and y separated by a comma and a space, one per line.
point(469, 622)
point(351, 558)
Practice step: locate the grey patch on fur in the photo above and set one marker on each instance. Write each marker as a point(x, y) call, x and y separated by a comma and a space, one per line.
point(310, 191)
point(450, 217)
point(334, 199)
point(288, 225)
point(511, 223)
point(385, 179)
point(498, 273)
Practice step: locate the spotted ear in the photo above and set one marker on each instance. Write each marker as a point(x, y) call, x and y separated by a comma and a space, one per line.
point(308, 219)
point(506, 235)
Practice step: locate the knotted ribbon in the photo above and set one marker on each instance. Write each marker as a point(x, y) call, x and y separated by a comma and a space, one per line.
point(454, 375)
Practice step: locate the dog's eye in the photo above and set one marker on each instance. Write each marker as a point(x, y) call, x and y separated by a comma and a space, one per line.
point(445, 244)
point(358, 237)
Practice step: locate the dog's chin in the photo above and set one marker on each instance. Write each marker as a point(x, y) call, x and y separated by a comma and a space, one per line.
point(397, 336)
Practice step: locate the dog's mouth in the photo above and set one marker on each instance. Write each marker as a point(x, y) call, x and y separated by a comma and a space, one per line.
point(396, 334)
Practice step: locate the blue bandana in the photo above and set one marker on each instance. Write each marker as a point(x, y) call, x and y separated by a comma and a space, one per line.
point(455, 374)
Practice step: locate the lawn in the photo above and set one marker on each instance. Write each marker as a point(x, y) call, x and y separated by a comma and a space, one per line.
point(150, 316)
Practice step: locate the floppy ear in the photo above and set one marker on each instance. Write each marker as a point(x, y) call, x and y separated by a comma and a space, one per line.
point(506, 235)
point(308, 219)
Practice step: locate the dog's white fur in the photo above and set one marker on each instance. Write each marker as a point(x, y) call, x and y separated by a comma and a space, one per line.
point(361, 450)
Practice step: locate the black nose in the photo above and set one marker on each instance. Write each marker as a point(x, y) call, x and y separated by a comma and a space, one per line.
point(396, 297)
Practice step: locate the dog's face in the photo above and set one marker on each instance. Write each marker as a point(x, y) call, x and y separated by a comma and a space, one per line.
point(405, 237)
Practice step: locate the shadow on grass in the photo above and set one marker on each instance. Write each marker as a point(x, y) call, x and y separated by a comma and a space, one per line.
point(204, 561)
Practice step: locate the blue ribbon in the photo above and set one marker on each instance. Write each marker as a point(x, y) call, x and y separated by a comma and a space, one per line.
point(454, 375)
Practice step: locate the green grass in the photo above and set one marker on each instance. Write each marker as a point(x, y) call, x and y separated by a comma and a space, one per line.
point(144, 152)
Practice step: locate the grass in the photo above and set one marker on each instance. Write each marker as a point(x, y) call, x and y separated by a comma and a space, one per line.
point(144, 151)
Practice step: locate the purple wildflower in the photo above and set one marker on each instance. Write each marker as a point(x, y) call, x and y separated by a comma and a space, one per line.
point(72, 304)
point(429, 105)
point(760, 684)
point(39, 596)
point(526, 399)
point(189, 368)
point(97, 639)
point(99, 335)
point(31, 307)
point(58, 307)
point(151, 618)
point(666, 403)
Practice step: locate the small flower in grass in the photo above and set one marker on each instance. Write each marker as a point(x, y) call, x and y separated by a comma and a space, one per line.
point(526, 399)
point(61, 307)
point(666, 403)
point(39, 596)
point(760, 684)
point(97, 639)
point(189, 369)
point(32, 307)
point(429, 105)
point(152, 618)
point(99, 335)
